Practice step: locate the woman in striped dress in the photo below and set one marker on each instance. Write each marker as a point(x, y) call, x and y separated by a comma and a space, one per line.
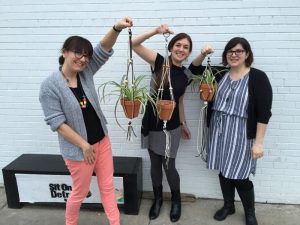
point(237, 121)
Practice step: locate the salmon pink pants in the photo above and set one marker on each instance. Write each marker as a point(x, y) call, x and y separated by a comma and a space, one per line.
point(81, 174)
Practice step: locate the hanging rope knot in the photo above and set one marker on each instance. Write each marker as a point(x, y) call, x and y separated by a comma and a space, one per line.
point(130, 61)
point(165, 124)
point(168, 143)
point(208, 60)
point(166, 35)
point(130, 131)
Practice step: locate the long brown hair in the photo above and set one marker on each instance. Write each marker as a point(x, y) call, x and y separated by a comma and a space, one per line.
point(176, 38)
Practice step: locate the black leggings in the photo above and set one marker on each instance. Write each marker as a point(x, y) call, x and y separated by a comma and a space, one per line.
point(241, 185)
point(156, 171)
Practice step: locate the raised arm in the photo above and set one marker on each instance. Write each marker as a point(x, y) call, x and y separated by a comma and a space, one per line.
point(110, 38)
point(201, 56)
point(148, 54)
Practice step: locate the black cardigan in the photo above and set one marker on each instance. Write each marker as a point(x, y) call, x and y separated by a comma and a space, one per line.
point(260, 100)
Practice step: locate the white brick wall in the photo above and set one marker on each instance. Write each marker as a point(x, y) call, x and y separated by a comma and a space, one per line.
point(31, 34)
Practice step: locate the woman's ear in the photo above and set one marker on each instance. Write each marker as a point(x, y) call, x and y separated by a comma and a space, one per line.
point(64, 52)
point(247, 55)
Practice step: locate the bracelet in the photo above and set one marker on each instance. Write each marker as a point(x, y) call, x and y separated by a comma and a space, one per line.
point(115, 29)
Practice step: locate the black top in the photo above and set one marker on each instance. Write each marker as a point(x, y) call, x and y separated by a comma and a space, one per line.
point(260, 99)
point(92, 122)
point(179, 81)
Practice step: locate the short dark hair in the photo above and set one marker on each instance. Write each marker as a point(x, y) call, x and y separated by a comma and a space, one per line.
point(246, 46)
point(76, 44)
point(178, 37)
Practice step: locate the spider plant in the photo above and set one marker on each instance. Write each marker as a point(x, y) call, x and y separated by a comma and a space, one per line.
point(131, 92)
point(207, 80)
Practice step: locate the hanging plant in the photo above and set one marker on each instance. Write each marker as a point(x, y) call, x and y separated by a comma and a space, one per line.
point(131, 108)
point(132, 96)
point(206, 82)
point(207, 88)
point(165, 107)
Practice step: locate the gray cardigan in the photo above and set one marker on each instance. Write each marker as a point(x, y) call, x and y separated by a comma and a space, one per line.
point(61, 106)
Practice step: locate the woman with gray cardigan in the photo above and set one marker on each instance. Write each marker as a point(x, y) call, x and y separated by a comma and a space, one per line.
point(71, 107)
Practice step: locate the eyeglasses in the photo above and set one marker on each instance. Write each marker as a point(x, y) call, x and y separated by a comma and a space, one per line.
point(237, 52)
point(79, 55)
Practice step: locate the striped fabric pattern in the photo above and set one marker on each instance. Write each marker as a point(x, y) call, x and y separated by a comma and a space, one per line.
point(229, 150)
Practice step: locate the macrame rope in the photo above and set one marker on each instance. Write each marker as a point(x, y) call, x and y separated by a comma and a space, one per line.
point(130, 130)
point(202, 134)
point(202, 137)
point(166, 73)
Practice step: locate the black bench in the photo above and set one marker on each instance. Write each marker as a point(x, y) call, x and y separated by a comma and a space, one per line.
point(129, 168)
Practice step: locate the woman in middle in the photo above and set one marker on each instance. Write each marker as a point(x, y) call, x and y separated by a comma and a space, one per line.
point(153, 137)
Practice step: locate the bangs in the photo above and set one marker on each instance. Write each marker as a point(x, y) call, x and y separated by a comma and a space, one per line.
point(80, 45)
point(84, 47)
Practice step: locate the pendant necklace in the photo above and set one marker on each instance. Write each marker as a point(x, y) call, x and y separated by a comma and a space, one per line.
point(82, 100)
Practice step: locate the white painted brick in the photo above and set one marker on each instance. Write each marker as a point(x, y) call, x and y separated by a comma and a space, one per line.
point(32, 34)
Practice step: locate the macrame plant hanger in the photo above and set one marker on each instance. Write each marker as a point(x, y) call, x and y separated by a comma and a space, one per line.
point(132, 105)
point(169, 104)
point(202, 122)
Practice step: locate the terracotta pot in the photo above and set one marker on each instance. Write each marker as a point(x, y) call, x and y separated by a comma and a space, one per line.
point(131, 108)
point(165, 109)
point(207, 92)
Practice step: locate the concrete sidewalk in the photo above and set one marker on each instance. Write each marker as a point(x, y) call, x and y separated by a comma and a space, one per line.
point(199, 212)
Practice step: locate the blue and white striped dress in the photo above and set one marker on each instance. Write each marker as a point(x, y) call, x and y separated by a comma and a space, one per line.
point(229, 150)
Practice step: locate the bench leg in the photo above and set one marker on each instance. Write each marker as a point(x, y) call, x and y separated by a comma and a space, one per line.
point(11, 189)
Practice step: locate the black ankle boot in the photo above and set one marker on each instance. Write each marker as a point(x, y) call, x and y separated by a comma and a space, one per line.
point(175, 212)
point(228, 189)
point(247, 198)
point(222, 213)
point(157, 203)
